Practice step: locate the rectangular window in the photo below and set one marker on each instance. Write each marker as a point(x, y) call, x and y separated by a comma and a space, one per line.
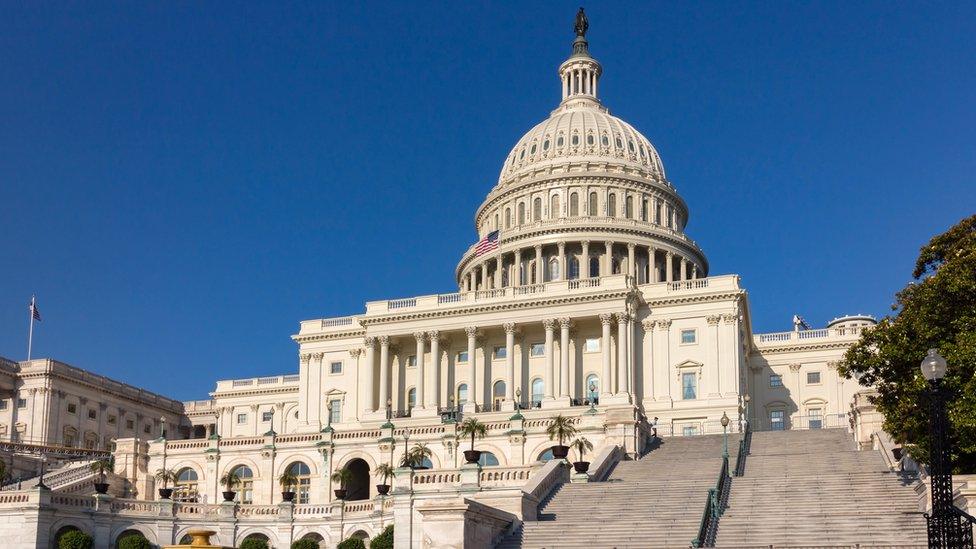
point(336, 413)
point(592, 345)
point(129, 424)
point(813, 378)
point(72, 408)
point(688, 336)
point(816, 419)
point(775, 380)
point(500, 352)
point(411, 361)
point(462, 356)
point(777, 420)
point(689, 387)
point(21, 402)
point(689, 431)
point(537, 349)
point(335, 368)
point(111, 420)
point(92, 414)
point(266, 416)
point(3, 404)
point(241, 419)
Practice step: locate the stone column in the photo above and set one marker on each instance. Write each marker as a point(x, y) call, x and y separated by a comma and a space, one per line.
point(472, 404)
point(605, 389)
point(550, 325)
point(509, 403)
point(684, 269)
point(471, 282)
point(563, 273)
point(435, 366)
point(714, 357)
point(421, 395)
point(518, 269)
point(607, 267)
point(498, 270)
point(631, 263)
point(538, 264)
point(484, 275)
point(384, 370)
point(585, 260)
point(370, 343)
point(668, 266)
point(651, 264)
point(564, 324)
point(694, 271)
point(622, 385)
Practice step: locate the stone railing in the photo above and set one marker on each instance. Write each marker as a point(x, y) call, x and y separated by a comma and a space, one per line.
point(134, 507)
point(62, 451)
point(359, 507)
point(552, 474)
point(14, 498)
point(436, 478)
point(505, 476)
point(604, 462)
point(299, 438)
point(186, 444)
point(255, 382)
point(196, 510)
point(248, 511)
point(307, 510)
point(804, 335)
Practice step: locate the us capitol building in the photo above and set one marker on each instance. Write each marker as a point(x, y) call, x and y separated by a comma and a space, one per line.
point(583, 297)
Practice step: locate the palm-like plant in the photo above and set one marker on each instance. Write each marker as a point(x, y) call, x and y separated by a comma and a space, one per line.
point(471, 427)
point(287, 481)
point(342, 477)
point(383, 472)
point(4, 472)
point(165, 476)
point(416, 456)
point(561, 428)
point(582, 446)
point(101, 467)
point(230, 481)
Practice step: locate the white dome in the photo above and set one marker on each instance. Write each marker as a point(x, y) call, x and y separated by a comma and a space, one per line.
point(582, 130)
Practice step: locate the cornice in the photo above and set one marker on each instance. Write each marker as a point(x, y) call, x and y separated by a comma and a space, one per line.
point(695, 298)
point(797, 346)
point(255, 392)
point(299, 338)
point(54, 375)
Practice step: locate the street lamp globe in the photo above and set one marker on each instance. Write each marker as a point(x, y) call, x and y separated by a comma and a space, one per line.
point(746, 398)
point(725, 420)
point(933, 366)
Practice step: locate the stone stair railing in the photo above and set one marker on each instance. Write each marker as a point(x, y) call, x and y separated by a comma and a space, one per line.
point(714, 508)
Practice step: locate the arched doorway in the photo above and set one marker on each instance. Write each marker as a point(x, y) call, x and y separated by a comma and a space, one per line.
point(498, 394)
point(358, 487)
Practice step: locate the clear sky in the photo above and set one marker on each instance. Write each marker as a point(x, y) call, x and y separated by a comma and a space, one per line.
point(182, 182)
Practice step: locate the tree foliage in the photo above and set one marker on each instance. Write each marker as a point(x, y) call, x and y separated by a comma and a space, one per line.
point(254, 543)
point(351, 543)
point(936, 310)
point(76, 539)
point(305, 543)
point(134, 541)
point(384, 540)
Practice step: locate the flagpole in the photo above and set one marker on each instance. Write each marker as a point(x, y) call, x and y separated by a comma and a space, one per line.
point(30, 333)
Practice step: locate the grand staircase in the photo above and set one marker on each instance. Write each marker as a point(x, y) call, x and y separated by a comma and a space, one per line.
point(656, 502)
point(814, 489)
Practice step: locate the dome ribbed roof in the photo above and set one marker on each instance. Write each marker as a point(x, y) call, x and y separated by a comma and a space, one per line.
point(584, 131)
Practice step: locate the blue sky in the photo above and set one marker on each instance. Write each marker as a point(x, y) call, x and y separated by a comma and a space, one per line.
point(181, 183)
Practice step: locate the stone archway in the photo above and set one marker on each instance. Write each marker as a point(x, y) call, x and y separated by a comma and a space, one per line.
point(358, 487)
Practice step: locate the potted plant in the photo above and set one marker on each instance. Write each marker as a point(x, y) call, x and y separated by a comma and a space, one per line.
point(101, 467)
point(229, 481)
point(165, 476)
point(561, 429)
point(341, 477)
point(383, 471)
point(416, 456)
point(473, 428)
point(582, 446)
point(288, 481)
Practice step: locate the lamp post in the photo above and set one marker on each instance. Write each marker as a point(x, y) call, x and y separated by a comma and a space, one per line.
point(725, 434)
point(745, 406)
point(592, 397)
point(389, 409)
point(945, 525)
point(162, 428)
point(40, 480)
point(518, 399)
point(406, 445)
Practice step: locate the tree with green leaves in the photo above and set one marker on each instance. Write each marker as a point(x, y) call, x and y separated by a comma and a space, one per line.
point(342, 477)
point(351, 543)
point(384, 540)
point(471, 427)
point(76, 539)
point(582, 446)
point(937, 310)
point(253, 542)
point(383, 472)
point(165, 477)
point(416, 456)
point(305, 543)
point(561, 428)
point(101, 467)
point(134, 541)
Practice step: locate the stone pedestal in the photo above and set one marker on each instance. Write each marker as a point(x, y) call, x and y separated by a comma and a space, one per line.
point(555, 402)
point(508, 405)
point(469, 408)
point(578, 478)
point(428, 411)
point(470, 477)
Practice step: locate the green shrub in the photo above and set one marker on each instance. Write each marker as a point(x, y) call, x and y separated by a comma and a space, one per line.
point(384, 540)
point(134, 541)
point(305, 543)
point(351, 543)
point(254, 543)
point(76, 539)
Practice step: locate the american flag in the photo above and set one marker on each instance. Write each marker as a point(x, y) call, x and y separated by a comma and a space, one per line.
point(487, 244)
point(34, 312)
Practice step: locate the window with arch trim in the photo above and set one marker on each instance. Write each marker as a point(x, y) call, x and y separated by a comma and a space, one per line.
point(521, 213)
point(612, 205)
point(592, 206)
point(304, 476)
point(186, 488)
point(245, 490)
point(508, 218)
point(594, 266)
point(411, 399)
point(574, 204)
point(488, 459)
point(498, 394)
point(538, 390)
point(537, 209)
point(629, 207)
point(462, 394)
point(574, 270)
point(592, 387)
point(644, 209)
point(553, 269)
point(554, 206)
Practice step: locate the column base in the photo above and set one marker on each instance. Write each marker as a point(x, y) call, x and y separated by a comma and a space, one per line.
point(379, 415)
point(469, 408)
point(578, 478)
point(555, 402)
point(619, 398)
point(508, 405)
point(430, 411)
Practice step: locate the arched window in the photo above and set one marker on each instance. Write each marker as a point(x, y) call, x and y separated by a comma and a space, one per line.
point(508, 218)
point(186, 485)
point(504, 278)
point(553, 269)
point(592, 387)
point(575, 139)
point(573, 268)
point(411, 399)
point(496, 222)
point(605, 141)
point(498, 394)
point(537, 209)
point(559, 141)
point(593, 204)
point(545, 456)
point(488, 459)
point(629, 207)
point(554, 206)
point(594, 266)
point(245, 490)
point(612, 205)
point(574, 205)
point(657, 212)
point(538, 387)
point(615, 265)
point(589, 139)
point(462, 393)
point(304, 476)
point(521, 213)
point(644, 209)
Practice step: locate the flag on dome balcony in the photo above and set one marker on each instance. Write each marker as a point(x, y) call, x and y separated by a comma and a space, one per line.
point(35, 314)
point(487, 244)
